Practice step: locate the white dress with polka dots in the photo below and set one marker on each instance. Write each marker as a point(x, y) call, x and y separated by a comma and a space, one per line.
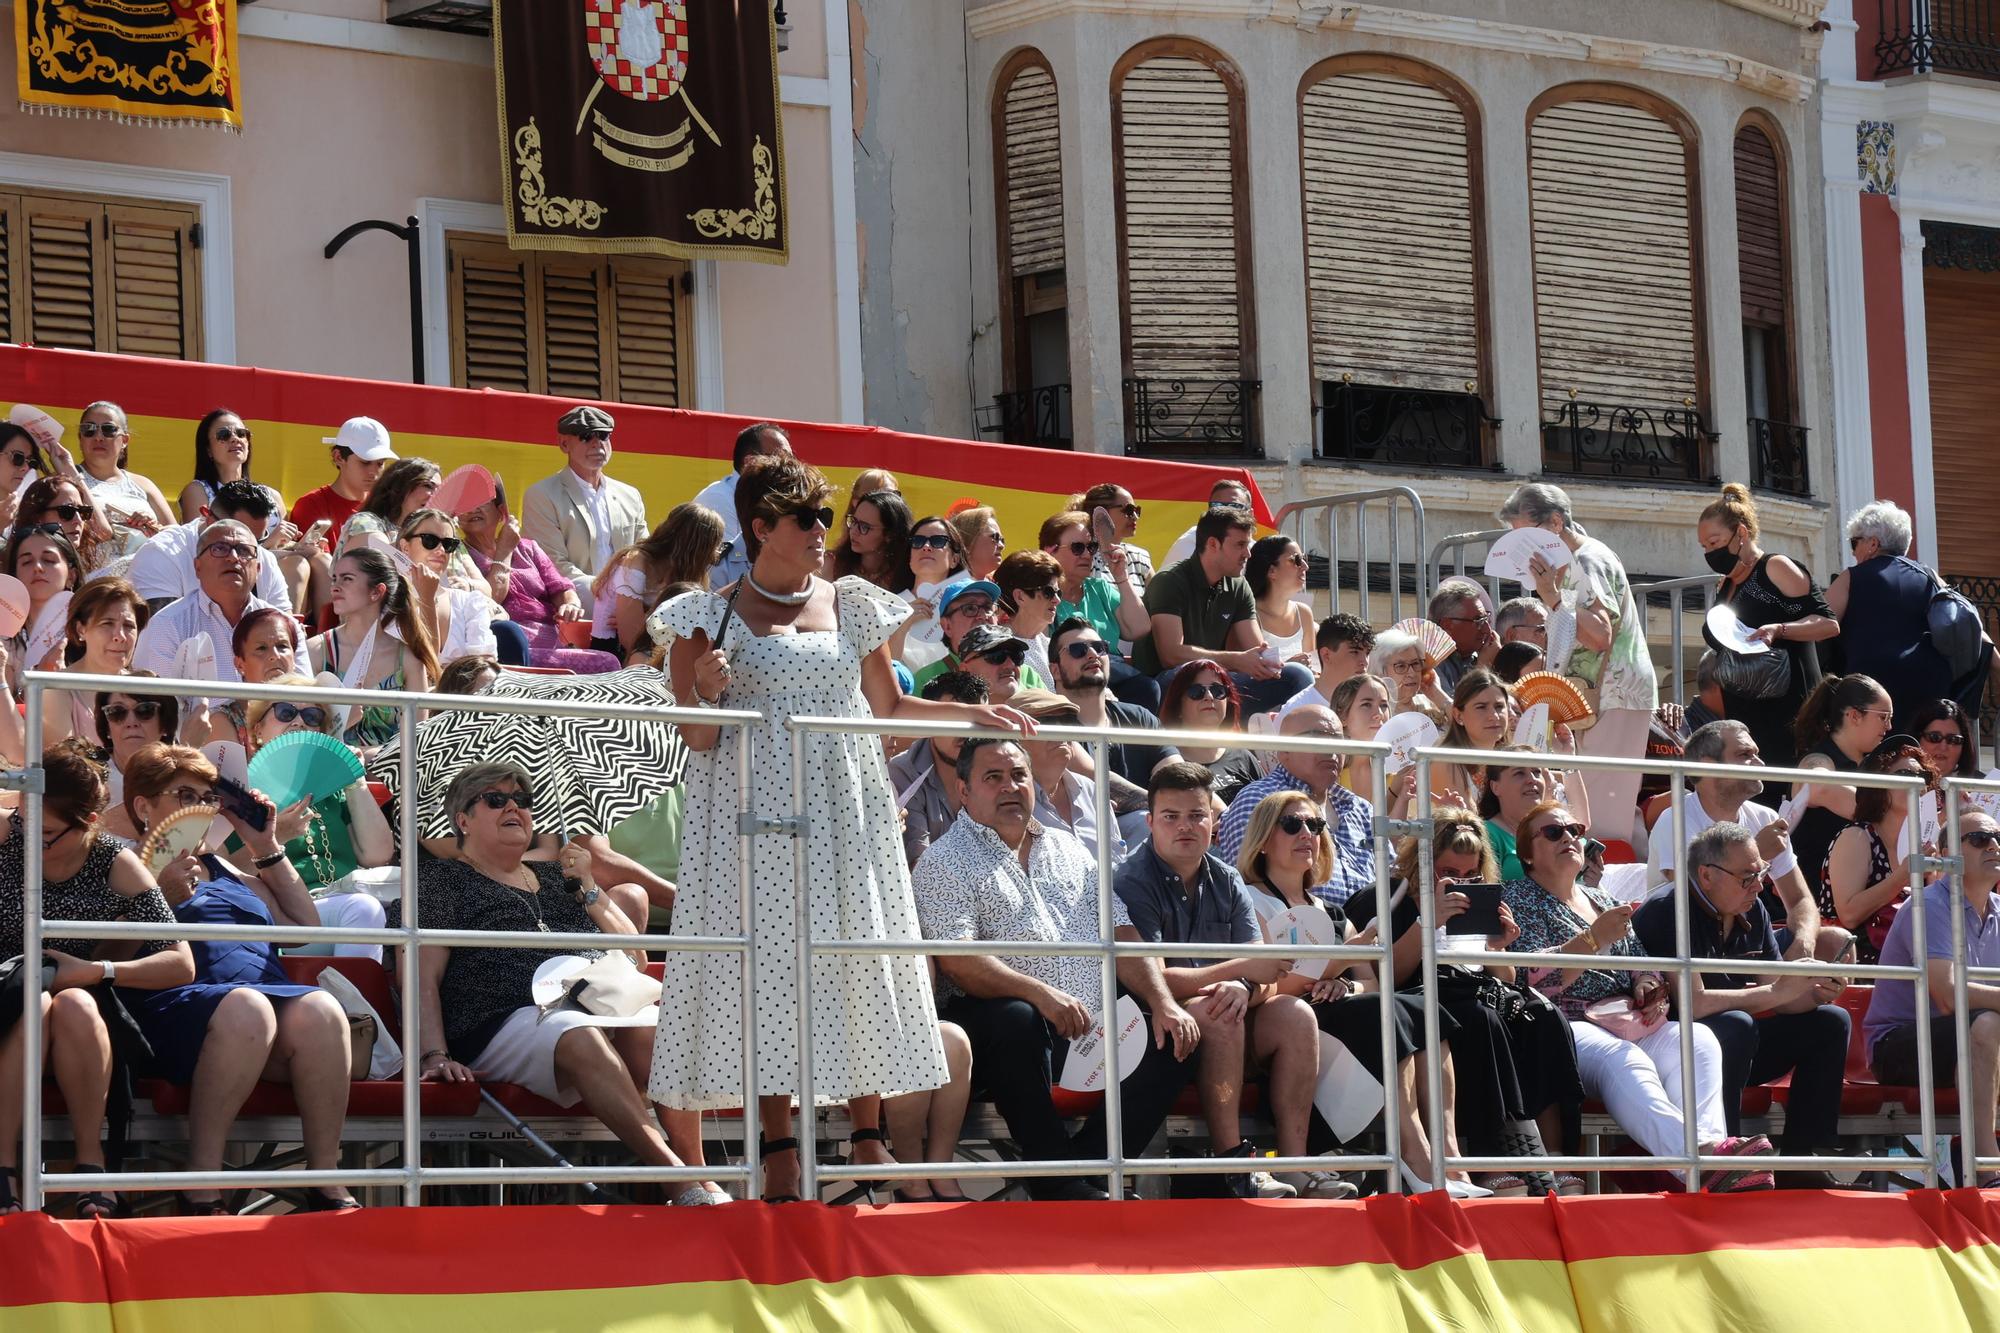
point(874, 1024)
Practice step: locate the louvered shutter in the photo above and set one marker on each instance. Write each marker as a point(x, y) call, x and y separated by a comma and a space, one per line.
point(646, 331)
point(155, 286)
point(1389, 250)
point(10, 215)
point(1034, 173)
point(65, 277)
point(1760, 229)
point(491, 349)
point(1962, 329)
point(1183, 313)
point(1614, 269)
point(573, 327)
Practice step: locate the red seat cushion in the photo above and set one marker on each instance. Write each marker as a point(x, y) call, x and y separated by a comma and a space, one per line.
point(369, 977)
point(378, 1099)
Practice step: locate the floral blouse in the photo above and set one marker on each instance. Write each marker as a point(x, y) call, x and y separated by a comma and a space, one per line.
point(1547, 925)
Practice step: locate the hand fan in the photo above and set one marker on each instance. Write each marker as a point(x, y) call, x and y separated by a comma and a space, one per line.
point(383, 542)
point(303, 765)
point(1535, 727)
point(49, 630)
point(45, 428)
point(231, 762)
point(1508, 557)
point(326, 680)
point(1405, 734)
point(1102, 529)
point(13, 605)
point(176, 835)
point(1730, 631)
point(1083, 1068)
point(195, 659)
point(1437, 644)
point(463, 489)
point(1565, 701)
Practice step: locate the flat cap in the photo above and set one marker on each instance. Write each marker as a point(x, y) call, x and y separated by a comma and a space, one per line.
point(579, 421)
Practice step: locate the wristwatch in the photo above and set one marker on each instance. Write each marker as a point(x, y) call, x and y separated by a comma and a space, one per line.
point(589, 897)
point(266, 862)
point(110, 969)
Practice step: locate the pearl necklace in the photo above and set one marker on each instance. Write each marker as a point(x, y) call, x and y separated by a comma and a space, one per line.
point(781, 598)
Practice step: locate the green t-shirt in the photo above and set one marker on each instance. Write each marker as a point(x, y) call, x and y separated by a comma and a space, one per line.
point(1505, 851)
point(325, 851)
point(653, 839)
point(1207, 612)
point(1101, 600)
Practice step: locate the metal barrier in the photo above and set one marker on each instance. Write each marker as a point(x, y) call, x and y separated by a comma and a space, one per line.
point(1322, 515)
point(1451, 551)
point(1118, 1163)
point(1676, 592)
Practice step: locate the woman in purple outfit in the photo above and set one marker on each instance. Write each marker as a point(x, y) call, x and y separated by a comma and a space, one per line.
point(534, 592)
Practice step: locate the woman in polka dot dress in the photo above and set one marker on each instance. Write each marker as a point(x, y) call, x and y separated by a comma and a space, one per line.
point(786, 643)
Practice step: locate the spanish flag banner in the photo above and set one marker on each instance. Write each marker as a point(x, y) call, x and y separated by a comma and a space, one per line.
point(143, 62)
point(1926, 1261)
point(668, 454)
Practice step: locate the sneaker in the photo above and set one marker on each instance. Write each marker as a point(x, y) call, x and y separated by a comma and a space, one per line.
point(1264, 1185)
point(1319, 1185)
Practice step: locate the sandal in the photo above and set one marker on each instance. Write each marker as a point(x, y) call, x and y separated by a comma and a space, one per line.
point(10, 1197)
point(320, 1202)
point(93, 1205)
point(1504, 1184)
point(904, 1196)
point(855, 1136)
point(1570, 1185)
point(201, 1207)
point(765, 1147)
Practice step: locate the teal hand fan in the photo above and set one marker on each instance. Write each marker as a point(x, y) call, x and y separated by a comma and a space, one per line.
point(303, 765)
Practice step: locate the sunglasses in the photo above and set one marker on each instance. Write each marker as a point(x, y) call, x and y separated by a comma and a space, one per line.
point(19, 459)
point(1854, 543)
point(1217, 692)
point(1981, 838)
point(1131, 511)
point(70, 513)
point(1296, 559)
point(311, 714)
point(236, 433)
point(1049, 592)
point(500, 800)
point(808, 519)
point(1561, 832)
point(432, 541)
point(46, 529)
point(1943, 738)
point(1293, 825)
point(930, 542)
point(229, 550)
point(1001, 656)
point(594, 436)
point(90, 430)
point(1078, 649)
point(1083, 548)
point(145, 712)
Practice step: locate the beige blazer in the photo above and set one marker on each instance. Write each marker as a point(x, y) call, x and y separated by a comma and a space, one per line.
point(556, 515)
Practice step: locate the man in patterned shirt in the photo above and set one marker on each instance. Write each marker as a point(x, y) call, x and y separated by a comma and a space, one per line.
point(1350, 818)
point(997, 874)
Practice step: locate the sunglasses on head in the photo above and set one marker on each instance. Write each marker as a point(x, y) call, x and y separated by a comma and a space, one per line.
point(46, 529)
point(70, 513)
point(1561, 832)
point(1217, 691)
point(1293, 825)
point(145, 711)
point(432, 541)
point(930, 541)
point(311, 714)
point(1082, 648)
point(500, 800)
point(90, 430)
point(1981, 838)
point(1083, 548)
point(1943, 738)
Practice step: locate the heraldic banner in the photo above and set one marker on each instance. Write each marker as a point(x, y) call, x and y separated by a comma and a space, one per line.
point(641, 127)
point(165, 62)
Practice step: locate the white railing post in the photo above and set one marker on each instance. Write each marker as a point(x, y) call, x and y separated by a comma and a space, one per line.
point(409, 968)
point(31, 951)
point(1114, 1094)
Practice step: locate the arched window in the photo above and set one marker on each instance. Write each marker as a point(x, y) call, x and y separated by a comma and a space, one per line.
point(1617, 289)
point(1034, 316)
point(1388, 155)
point(1763, 262)
point(1181, 182)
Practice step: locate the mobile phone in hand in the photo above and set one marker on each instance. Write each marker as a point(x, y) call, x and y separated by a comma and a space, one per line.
point(235, 800)
point(1482, 917)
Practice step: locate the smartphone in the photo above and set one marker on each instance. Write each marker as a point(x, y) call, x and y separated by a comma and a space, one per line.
point(1482, 918)
point(235, 800)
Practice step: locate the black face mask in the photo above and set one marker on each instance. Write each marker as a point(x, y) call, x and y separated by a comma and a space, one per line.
point(1722, 560)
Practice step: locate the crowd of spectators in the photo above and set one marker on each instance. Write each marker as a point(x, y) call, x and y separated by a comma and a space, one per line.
point(754, 595)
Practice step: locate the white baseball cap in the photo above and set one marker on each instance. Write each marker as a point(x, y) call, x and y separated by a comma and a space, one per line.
point(364, 437)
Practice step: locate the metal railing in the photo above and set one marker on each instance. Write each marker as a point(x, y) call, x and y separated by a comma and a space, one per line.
point(1403, 427)
point(1948, 36)
point(1780, 459)
point(1118, 1163)
point(1193, 416)
point(1630, 443)
point(1039, 416)
point(1316, 524)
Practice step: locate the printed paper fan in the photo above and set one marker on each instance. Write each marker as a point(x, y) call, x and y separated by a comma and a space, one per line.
point(195, 659)
point(303, 765)
point(463, 489)
point(1436, 643)
point(175, 836)
point(1405, 734)
point(1566, 702)
point(13, 605)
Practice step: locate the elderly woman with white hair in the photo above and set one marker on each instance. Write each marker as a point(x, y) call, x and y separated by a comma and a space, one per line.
point(1597, 637)
point(1883, 603)
point(1398, 657)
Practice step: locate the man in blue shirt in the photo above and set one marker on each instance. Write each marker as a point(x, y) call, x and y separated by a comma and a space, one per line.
point(1767, 1027)
point(1893, 1028)
point(1316, 773)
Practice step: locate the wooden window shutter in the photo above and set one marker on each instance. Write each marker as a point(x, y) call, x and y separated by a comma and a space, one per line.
point(1391, 278)
point(647, 331)
point(1760, 228)
point(1178, 171)
point(1962, 324)
point(1033, 155)
point(1614, 257)
point(573, 326)
point(66, 273)
point(490, 292)
point(10, 230)
point(155, 286)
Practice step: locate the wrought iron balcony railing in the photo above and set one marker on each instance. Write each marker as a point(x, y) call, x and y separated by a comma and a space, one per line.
point(1192, 417)
point(1586, 439)
point(1038, 416)
point(1374, 423)
point(1946, 36)
point(1778, 457)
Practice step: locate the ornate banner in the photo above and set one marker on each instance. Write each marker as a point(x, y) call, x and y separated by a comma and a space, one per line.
point(139, 61)
point(641, 126)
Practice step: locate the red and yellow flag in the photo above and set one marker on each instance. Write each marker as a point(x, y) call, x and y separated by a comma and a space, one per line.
point(668, 454)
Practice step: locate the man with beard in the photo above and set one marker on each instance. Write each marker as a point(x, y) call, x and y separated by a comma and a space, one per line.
point(580, 517)
point(1081, 661)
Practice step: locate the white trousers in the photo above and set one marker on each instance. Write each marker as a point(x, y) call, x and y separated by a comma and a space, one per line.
point(351, 911)
point(1614, 797)
point(1640, 1083)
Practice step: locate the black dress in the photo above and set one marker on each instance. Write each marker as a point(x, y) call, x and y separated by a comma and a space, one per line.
point(1818, 826)
point(1759, 602)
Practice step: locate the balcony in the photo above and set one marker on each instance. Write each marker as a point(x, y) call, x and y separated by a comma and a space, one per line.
point(1200, 418)
point(1038, 416)
point(1938, 36)
point(1582, 439)
point(1778, 457)
point(1427, 428)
